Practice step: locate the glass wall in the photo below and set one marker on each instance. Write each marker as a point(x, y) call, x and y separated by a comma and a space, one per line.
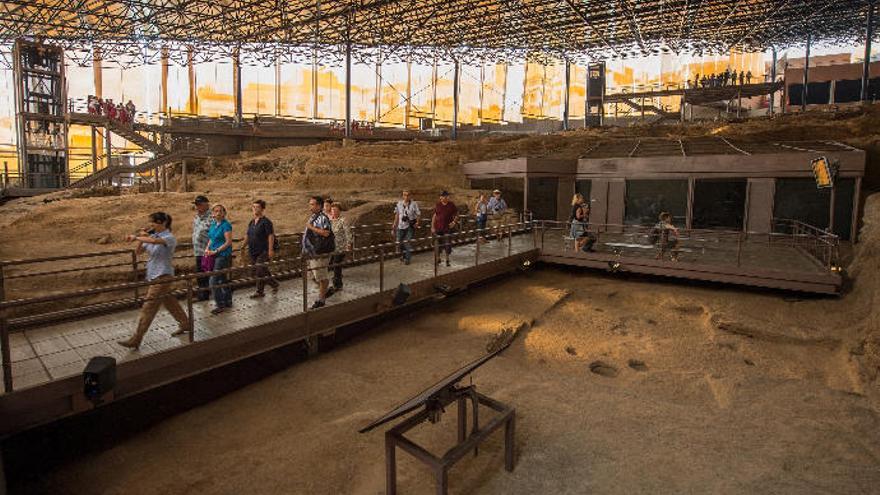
point(719, 203)
point(646, 199)
point(844, 194)
point(800, 199)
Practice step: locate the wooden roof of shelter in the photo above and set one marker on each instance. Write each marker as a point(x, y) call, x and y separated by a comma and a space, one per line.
point(133, 31)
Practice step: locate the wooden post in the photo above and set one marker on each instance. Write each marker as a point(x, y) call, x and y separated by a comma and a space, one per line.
point(4, 341)
point(134, 273)
point(304, 270)
point(185, 174)
point(190, 324)
point(381, 270)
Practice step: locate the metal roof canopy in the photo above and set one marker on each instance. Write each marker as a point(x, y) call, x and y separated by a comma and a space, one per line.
point(132, 32)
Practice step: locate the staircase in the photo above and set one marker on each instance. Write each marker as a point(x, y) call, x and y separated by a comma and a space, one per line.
point(650, 107)
point(105, 175)
point(135, 137)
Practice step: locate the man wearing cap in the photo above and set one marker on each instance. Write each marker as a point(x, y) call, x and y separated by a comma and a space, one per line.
point(406, 220)
point(497, 208)
point(444, 220)
point(201, 223)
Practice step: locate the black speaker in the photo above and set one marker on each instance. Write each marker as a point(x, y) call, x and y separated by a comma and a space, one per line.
point(99, 377)
point(402, 294)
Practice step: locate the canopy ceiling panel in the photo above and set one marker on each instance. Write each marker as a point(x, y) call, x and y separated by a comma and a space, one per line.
point(134, 31)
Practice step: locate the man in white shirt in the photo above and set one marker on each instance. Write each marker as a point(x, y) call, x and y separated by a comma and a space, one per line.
point(406, 220)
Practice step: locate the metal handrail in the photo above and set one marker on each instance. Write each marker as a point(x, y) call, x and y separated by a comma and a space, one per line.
point(374, 252)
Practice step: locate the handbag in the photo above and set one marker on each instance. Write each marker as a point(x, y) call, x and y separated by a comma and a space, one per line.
point(208, 263)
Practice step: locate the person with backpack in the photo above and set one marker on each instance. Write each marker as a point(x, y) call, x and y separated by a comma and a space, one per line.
point(317, 242)
point(261, 243)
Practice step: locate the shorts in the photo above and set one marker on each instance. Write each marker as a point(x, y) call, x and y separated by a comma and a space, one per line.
point(318, 267)
point(500, 219)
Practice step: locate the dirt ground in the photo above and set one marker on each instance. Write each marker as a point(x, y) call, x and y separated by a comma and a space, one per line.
point(620, 384)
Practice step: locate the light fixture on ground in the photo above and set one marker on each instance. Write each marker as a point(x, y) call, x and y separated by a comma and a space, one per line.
point(99, 378)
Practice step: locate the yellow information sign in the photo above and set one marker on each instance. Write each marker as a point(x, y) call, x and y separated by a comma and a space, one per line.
point(822, 172)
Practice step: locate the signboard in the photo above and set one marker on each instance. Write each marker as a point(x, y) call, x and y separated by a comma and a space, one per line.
point(823, 172)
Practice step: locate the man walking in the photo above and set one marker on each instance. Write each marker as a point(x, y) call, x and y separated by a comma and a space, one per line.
point(342, 239)
point(260, 242)
point(497, 209)
point(317, 241)
point(406, 219)
point(201, 223)
point(443, 221)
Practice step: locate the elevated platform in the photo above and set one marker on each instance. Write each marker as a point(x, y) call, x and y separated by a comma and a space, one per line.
point(44, 358)
point(47, 362)
point(799, 262)
point(701, 96)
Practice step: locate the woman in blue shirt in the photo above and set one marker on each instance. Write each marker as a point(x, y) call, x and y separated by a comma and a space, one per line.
point(220, 247)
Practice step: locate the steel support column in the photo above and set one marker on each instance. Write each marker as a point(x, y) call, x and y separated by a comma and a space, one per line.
point(565, 95)
point(773, 81)
point(804, 91)
point(191, 71)
point(866, 64)
point(94, 150)
point(455, 87)
point(348, 89)
point(236, 84)
point(164, 82)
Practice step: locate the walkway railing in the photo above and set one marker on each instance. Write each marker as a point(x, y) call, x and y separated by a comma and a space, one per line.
point(129, 294)
point(705, 245)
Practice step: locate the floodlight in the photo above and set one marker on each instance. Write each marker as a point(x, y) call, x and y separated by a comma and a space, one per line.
point(99, 378)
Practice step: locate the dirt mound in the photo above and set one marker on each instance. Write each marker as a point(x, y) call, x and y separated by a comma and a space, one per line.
point(866, 292)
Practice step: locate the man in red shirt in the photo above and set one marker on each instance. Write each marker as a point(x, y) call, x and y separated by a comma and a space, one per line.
point(443, 222)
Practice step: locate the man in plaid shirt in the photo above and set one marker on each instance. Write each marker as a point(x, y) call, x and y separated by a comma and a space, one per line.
point(201, 223)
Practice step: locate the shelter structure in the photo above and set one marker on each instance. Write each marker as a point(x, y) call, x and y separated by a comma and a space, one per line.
point(705, 183)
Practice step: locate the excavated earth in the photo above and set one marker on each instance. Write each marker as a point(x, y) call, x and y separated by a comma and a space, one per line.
point(621, 384)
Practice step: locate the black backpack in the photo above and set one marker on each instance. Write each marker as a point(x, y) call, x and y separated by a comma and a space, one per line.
point(323, 245)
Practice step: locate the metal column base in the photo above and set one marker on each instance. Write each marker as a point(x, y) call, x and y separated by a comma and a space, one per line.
point(440, 465)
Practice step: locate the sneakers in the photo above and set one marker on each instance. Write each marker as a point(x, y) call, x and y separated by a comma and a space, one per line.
point(318, 304)
point(129, 344)
point(217, 311)
point(180, 331)
point(330, 292)
point(447, 263)
point(257, 295)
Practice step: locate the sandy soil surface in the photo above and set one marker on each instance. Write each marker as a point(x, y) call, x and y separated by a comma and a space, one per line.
point(620, 385)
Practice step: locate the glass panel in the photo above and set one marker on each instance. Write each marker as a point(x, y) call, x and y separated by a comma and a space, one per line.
point(800, 199)
point(844, 193)
point(719, 203)
point(296, 90)
point(258, 90)
point(542, 197)
point(214, 87)
point(646, 199)
point(583, 187)
point(513, 94)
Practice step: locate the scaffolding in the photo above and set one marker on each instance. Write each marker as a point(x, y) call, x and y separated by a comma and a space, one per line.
point(134, 32)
